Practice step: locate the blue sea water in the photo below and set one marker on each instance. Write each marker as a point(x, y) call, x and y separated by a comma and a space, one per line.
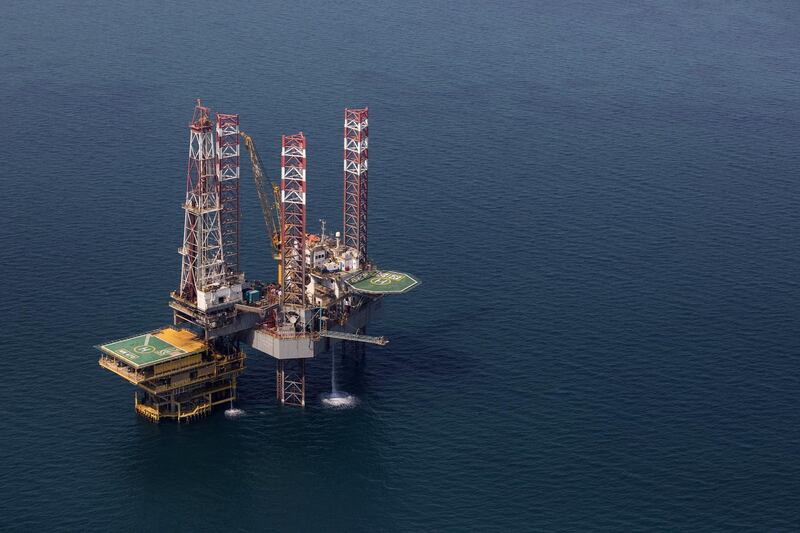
point(601, 198)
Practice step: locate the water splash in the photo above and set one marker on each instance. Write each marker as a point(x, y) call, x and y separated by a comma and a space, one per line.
point(234, 413)
point(337, 399)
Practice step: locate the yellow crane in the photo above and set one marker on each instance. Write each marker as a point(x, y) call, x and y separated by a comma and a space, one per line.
point(270, 209)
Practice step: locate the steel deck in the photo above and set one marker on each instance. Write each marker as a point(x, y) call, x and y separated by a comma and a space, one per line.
point(154, 347)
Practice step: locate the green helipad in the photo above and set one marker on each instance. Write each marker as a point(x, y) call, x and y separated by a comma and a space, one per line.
point(154, 347)
point(382, 282)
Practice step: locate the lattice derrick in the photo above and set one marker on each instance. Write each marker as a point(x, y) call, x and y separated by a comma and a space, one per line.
point(202, 264)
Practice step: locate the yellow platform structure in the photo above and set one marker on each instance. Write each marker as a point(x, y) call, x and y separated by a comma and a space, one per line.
point(179, 375)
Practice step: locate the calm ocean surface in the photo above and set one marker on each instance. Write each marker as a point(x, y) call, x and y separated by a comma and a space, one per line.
point(601, 198)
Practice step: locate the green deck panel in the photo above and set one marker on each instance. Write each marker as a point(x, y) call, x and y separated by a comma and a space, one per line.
point(143, 350)
point(383, 282)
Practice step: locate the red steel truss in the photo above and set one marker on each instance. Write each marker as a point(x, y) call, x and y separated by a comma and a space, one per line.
point(293, 220)
point(356, 130)
point(291, 382)
point(202, 263)
point(228, 176)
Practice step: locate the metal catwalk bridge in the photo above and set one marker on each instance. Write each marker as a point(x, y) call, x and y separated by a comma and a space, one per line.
point(380, 341)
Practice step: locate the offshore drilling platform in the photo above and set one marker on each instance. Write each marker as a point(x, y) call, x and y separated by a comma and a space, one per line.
point(327, 289)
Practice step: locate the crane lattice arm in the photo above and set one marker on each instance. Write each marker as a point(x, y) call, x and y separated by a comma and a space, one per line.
point(271, 210)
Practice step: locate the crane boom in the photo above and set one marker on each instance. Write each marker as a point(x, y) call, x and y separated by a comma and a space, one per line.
point(270, 210)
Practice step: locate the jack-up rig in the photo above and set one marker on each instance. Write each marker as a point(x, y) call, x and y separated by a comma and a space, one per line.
point(327, 289)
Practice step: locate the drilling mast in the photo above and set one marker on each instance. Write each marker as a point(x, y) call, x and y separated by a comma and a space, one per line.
point(206, 284)
point(203, 265)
